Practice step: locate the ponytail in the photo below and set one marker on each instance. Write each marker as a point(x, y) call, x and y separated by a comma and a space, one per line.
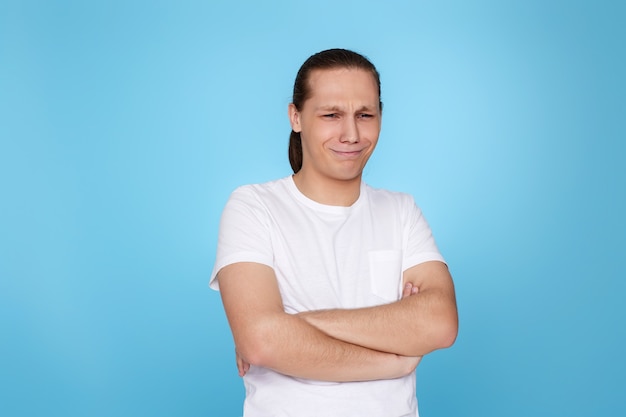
point(295, 151)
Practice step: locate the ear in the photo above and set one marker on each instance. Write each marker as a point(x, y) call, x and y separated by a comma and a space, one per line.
point(294, 118)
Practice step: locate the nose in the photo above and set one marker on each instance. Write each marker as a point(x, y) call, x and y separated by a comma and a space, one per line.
point(350, 132)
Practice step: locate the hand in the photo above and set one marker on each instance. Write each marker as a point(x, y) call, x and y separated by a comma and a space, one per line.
point(409, 290)
point(242, 365)
point(410, 363)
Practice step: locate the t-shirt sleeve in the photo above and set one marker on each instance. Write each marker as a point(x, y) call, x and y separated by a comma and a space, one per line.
point(419, 243)
point(243, 233)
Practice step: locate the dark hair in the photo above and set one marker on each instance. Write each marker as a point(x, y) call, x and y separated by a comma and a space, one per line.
point(329, 59)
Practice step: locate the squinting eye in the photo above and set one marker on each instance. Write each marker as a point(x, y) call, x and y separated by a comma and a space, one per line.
point(331, 115)
point(366, 116)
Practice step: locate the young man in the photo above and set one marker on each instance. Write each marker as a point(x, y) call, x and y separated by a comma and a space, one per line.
point(333, 290)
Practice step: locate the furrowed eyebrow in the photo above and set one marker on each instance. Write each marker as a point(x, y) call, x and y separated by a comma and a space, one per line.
point(329, 109)
point(339, 109)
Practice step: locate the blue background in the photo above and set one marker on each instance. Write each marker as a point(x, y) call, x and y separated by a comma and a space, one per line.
point(124, 126)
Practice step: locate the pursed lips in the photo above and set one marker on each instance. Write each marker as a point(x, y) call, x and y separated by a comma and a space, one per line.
point(347, 153)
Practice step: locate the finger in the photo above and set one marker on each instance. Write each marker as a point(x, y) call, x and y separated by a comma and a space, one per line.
point(406, 291)
point(240, 366)
point(418, 359)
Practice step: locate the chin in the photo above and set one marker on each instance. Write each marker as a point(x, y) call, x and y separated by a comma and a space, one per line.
point(348, 176)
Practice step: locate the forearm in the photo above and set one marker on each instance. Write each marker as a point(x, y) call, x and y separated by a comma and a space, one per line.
point(291, 346)
point(267, 336)
point(412, 326)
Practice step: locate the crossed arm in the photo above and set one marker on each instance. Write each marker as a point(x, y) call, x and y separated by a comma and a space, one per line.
point(382, 342)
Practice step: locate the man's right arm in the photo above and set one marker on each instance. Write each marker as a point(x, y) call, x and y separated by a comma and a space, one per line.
point(266, 336)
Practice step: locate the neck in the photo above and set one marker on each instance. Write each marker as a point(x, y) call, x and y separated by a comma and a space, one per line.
point(328, 191)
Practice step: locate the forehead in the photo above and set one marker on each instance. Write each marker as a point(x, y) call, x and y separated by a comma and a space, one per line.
point(343, 85)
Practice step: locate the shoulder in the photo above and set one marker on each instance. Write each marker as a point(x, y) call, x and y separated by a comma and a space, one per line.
point(261, 201)
point(252, 205)
point(388, 198)
point(261, 191)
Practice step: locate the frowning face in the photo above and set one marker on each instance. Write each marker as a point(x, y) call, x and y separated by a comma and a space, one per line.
point(339, 124)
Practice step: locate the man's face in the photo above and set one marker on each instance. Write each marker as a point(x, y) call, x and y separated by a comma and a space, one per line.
point(339, 123)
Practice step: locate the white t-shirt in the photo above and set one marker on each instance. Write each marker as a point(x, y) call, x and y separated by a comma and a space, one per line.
point(325, 257)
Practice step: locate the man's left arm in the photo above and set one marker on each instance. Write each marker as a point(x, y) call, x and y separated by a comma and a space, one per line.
point(415, 325)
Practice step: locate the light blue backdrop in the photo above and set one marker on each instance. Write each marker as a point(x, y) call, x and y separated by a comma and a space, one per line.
point(124, 126)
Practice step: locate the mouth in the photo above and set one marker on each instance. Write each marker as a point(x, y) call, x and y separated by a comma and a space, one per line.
point(347, 154)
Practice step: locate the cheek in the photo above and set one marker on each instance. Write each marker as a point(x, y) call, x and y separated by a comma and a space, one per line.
point(319, 134)
point(372, 133)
